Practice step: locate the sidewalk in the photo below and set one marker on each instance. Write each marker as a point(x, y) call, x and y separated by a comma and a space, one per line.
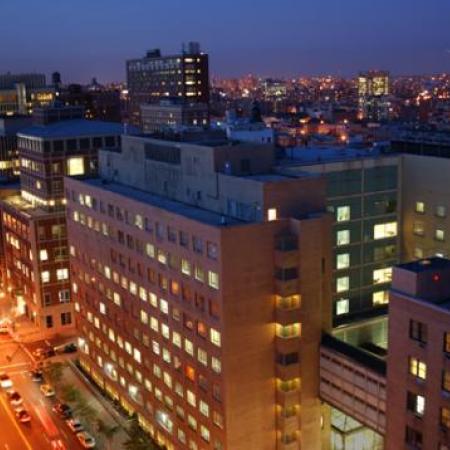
point(106, 412)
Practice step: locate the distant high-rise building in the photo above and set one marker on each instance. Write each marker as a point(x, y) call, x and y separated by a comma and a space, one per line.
point(184, 76)
point(56, 79)
point(373, 92)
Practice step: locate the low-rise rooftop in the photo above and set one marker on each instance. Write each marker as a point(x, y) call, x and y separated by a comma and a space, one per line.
point(319, 155)
point(189, 211)
point(73, 128)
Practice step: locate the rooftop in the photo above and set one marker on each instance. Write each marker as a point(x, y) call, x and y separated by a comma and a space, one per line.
point(424, 265)
point(73, 128)
point(319, 155)
point(189, 211)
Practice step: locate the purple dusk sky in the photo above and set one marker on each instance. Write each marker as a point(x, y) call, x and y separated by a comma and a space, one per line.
point(86, 38)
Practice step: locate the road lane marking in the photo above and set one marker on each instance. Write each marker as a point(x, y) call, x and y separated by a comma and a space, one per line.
point(16, 425)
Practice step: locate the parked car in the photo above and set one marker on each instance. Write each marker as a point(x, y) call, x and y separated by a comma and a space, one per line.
point(5, 381)
point(14, 398)
point(86, 440)
point(37, 375)
point(23, 416)
point(47, 390)
point(57, 444)
point(43, 353)
point(70, 348)
point(75, 425)
point(62, 409)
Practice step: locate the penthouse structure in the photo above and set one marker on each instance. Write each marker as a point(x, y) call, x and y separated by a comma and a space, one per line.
point(201, 283)
point(418, 374)
point(33, 219)
point(184, 76)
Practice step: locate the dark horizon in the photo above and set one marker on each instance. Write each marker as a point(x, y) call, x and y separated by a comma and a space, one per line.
point(286, 39)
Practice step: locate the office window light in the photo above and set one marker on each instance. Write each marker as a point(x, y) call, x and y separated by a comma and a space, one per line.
point(420, 207)
point(342, 306)
point(342, 284)
point(343, 261)
point(342, 213)
point(343, 237)
point(75, 166)
point(382, 275)
point(385, 230)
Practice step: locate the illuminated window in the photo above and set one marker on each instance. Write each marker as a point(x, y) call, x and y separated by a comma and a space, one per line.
point(343, 261)
point(271, 214)
point(213, 279)
point(216, 365)
point(342, 284)
point(43, 255)
point(199, 274)
point(150, 250)
point(102, 308)
point(445, 417)
point(417, 368)
point(185, 267)
point(439, 235)
point(215, 337)
point(420, 207)
point(62, 274)
point(45, 276)
point(343, 237)
point(418, 253)
point(445, 380)
point(416, 403)
point(189, 347)
point(385, 230)
point(137, 355)
point(342, 306)
point(164, 306)
point(288, 331)
point(75, 166)
point(380, 298)
point(342, 213)
point(204, 433)
point(382, 275)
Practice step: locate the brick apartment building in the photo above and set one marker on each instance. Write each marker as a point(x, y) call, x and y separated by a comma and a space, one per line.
point(418, 376)
point(201, 286)
point(36, 272)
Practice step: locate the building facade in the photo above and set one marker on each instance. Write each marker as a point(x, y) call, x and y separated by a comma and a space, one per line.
point(33, 220)
point(9, 153)
point(363, 194)
point(418, 376)
point(200, 304)
point(184, 76)
point(173, 114)
point(373, 96)
point(425, 207)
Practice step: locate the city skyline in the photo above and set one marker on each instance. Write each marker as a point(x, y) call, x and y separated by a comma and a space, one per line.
point(406, 37)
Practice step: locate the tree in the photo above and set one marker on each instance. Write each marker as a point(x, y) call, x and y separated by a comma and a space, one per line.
point(138, 439)
point(53, 372)
point(107, 431)
point(84, 410)
point(70, 394)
